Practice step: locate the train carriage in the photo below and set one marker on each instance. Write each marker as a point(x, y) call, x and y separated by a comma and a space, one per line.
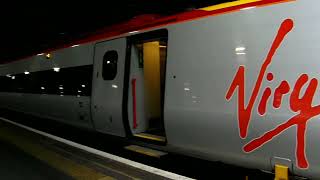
point(236, 82)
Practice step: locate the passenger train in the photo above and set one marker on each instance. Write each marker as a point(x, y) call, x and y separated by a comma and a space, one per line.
point(235, 82)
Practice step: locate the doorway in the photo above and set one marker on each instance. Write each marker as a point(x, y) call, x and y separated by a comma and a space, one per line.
point(147, 85)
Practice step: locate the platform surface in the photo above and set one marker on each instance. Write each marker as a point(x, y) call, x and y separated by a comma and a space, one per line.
point(16, 164)
point(28, 155)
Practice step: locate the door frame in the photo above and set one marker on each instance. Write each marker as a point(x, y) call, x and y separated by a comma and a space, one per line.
point(145, 36)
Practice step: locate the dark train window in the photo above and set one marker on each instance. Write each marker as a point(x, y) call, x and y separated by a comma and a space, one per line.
point(109, 65)
point(75, 81)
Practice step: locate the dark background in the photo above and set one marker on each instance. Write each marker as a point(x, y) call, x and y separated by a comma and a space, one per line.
point(27, 28)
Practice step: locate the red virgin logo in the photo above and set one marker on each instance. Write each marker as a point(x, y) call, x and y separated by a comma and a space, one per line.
point(300, 104)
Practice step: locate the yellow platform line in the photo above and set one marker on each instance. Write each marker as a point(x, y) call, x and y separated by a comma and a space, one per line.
point(53, 159)
point(103, 166)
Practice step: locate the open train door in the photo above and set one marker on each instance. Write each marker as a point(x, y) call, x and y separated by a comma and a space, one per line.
point(108, 82)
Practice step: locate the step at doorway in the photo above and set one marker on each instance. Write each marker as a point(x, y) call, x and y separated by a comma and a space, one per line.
point(145, 151)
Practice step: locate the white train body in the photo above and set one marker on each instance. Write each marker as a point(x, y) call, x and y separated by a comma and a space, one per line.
point(240, 87)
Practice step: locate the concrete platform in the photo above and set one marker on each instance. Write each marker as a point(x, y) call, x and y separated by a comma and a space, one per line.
point(27, 153)
point(16, 164)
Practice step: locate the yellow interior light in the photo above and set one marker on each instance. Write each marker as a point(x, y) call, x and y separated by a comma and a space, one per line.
point(48, 56)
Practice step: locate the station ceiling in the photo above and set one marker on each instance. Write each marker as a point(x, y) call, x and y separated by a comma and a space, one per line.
point(28, 28)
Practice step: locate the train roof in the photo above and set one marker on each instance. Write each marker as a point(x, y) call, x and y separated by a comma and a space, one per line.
point(151, 21)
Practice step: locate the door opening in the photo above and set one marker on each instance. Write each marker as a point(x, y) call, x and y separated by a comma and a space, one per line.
point(147, 85)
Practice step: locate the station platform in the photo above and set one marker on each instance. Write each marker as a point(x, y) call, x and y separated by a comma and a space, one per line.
point(28, 153)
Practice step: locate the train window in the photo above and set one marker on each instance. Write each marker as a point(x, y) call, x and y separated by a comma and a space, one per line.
point(109, 66)
point(74, 81)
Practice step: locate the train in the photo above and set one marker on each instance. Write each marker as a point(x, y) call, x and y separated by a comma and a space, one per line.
point(235, 82)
